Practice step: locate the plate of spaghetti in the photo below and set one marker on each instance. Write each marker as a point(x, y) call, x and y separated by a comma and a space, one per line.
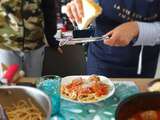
point(86, 88)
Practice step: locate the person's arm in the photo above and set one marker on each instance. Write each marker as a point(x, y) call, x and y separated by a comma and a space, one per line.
point(149, 34)
point(50, 22)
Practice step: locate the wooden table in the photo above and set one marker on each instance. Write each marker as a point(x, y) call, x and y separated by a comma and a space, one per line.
point(140, 82)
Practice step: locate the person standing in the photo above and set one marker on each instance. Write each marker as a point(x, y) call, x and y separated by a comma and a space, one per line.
point(26, 26)
point(133, 47)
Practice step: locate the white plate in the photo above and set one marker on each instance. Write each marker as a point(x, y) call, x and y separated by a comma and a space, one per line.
point(69, 79)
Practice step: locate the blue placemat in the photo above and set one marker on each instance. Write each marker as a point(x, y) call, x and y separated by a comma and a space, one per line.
point(104, 110)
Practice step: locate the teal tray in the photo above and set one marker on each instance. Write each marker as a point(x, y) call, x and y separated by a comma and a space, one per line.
point(104, 110)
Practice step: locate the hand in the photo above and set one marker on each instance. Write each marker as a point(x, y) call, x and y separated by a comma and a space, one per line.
point(74, 10)
point(60, 50)
point(57, 48)
point(123, 34)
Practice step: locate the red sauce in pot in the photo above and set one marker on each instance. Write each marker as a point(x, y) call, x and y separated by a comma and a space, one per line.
point(146, 115)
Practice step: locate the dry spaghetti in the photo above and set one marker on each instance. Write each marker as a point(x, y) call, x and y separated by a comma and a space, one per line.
point(24, 110)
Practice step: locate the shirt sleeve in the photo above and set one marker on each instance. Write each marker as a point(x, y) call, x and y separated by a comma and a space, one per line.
point(50, 21)
point(149, 34)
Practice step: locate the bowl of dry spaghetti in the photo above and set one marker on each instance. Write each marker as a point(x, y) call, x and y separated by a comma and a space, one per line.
point(25, 103)
point(86, 88)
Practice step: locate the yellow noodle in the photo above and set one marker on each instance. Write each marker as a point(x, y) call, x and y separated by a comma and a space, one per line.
point(24, 110)
point(87, 97)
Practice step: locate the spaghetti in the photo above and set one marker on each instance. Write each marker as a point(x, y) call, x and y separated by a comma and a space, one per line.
point(85, 90)
point(24, 110)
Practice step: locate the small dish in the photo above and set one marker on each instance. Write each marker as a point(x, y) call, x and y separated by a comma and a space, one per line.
point(154, 86)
